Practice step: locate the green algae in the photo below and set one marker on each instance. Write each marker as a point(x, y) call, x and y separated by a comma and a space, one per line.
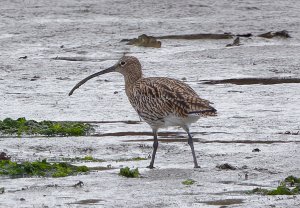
point(289, 186)
point(22, 126)
point(129, 173)
point(131, 159)
point(188, 182)
point(39, 168)
point(91, 159)
point(87, 158)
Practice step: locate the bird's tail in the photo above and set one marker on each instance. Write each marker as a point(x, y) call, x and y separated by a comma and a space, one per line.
point(209, 112)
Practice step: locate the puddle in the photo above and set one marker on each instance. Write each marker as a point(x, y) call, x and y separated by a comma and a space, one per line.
point(227, 182)
point(160, 134)
point(100, 168)
point(217, 141)
point(240, 184)
point(224, 202)
point(252, 81)
point(249, 184)
point(87, 201)
point(142, 133)
point(109, 122)
point(240, 192)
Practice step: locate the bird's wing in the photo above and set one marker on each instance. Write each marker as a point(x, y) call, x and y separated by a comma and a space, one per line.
point(172, 96)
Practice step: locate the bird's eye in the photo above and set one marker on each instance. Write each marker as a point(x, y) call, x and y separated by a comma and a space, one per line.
point(122, 63)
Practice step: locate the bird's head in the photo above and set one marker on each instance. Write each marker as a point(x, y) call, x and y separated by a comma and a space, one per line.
point(128, 66)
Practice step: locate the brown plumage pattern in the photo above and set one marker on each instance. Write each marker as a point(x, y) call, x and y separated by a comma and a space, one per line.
point(155, 98)
point(159, 101)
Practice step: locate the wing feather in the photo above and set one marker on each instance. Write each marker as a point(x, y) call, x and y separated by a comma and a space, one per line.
point(164, 96)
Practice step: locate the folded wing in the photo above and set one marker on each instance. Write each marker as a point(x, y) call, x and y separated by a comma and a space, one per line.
point(163, 96)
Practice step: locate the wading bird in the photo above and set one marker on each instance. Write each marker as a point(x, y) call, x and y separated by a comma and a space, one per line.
point(159, 101)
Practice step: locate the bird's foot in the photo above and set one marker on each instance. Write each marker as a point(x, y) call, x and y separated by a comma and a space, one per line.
point(196, 166)
point(150, 167)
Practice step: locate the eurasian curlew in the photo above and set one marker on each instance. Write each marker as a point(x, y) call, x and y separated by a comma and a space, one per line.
point(159, 101)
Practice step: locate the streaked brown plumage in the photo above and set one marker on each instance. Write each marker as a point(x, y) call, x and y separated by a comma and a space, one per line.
point(159, 101)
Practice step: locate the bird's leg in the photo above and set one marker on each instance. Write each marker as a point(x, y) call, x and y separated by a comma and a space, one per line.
point(155, 145)
point(190, 142)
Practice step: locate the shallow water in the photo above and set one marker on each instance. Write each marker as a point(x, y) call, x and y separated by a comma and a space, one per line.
point(250, 115)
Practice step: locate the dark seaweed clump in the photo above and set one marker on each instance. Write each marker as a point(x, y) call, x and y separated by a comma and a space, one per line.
point(127, 172)
point(39, 168)
point(21, 126)
point(289, 186)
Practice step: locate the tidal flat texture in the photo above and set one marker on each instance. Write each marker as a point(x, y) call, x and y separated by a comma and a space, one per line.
point(48, 46)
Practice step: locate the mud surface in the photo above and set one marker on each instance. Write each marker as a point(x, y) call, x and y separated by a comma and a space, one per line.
point(48, 46)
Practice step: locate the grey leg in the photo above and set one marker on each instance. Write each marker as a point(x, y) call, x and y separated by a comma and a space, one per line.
point(155, 145)
point(190, 142)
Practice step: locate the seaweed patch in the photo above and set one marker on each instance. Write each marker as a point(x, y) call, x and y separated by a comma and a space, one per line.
point(40, 168)
point(22, 126)
point(289, 186)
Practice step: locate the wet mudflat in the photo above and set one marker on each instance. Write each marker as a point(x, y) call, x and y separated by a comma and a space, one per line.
point(48, 46)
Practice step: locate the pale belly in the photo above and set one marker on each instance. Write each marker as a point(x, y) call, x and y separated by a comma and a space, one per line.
point(172, 120)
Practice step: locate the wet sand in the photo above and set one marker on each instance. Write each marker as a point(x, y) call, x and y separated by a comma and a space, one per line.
point(48, 46)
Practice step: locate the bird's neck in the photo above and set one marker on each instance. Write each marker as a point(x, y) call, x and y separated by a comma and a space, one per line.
point(130, 80)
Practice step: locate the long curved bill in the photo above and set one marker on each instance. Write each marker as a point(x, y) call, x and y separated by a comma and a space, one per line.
point(110, 69)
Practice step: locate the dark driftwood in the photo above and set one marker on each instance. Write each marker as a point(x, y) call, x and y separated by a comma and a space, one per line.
point(144, 38)
point(197, 36)
point(250, 81)
point(188, 36)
